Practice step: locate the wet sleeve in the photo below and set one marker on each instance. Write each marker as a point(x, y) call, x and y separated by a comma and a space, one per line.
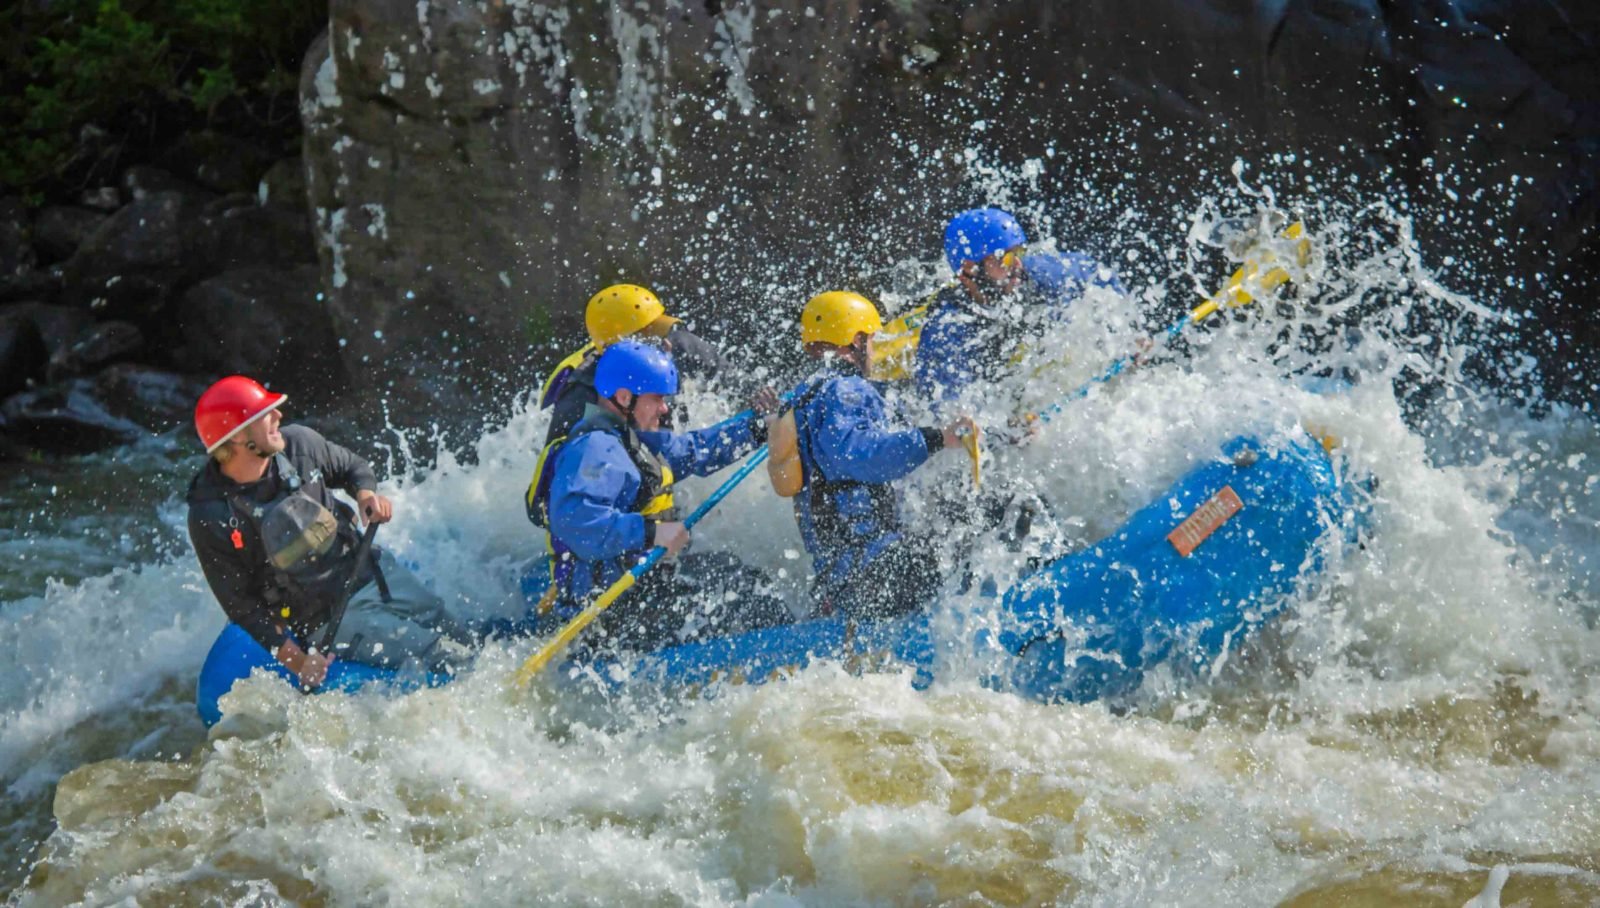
point(855, 440)
point(703, 452)
point(234, 583)
point(341, 467)
point(696, 355)
point(593, 476)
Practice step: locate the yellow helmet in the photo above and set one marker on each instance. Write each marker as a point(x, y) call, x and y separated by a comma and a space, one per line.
point(621, 310)
point(836, 317)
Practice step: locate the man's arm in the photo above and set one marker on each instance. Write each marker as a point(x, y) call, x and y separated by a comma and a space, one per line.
point(341, 467)
point(705, 451)
point(856, 441)
point(344, 469)
point(696, 355)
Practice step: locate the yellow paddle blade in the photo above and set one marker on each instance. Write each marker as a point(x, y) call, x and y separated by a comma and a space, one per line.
point(1264, 270)
point(536, 662)
point(970, 442)
point(548, 600)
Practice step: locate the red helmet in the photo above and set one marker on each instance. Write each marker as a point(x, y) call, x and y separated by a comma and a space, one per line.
point(230, 405)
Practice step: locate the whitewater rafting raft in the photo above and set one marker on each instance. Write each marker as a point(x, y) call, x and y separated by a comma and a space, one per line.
point(1181, 581)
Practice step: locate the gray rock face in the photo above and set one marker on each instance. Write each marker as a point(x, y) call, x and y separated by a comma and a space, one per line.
point(477, 170)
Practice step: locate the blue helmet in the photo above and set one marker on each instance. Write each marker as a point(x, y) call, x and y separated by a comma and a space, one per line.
point(641, 368)
point(978, 233)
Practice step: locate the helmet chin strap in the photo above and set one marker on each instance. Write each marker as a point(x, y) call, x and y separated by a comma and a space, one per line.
point(627, 411)
point(253, 448)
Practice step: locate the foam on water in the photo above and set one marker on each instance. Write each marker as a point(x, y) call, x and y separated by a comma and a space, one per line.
point(1427, 711)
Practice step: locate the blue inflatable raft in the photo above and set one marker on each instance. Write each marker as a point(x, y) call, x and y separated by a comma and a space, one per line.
point(1184, 578)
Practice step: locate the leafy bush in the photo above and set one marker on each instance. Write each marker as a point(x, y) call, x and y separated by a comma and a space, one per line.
point(87, 85)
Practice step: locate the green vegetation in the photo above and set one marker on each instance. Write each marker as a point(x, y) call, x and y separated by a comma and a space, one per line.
point(89, 86)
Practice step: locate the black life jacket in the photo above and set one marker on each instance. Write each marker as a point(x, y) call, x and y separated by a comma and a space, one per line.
point(303, 583)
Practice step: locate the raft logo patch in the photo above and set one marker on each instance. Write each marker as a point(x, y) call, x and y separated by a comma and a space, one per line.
point(1205, 520)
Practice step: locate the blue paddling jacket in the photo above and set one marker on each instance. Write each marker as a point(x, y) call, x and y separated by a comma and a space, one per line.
point(963, 342)
point(851, 451)
point(611, 484)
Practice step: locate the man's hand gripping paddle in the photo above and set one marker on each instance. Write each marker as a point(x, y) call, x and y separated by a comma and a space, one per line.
point(564, 637)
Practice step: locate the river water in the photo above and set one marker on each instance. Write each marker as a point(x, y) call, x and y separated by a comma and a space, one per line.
point(1423, 713)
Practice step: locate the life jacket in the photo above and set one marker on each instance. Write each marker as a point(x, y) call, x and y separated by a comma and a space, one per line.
point(654, 499)
point(559, 377)
point(894, 350)
point(306, 548)
point(823, 495)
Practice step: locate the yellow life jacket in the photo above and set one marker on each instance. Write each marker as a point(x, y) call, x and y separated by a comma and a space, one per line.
point(557, 379)
point(894, 350)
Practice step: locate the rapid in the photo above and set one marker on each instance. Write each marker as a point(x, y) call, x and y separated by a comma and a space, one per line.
point(1420, 724)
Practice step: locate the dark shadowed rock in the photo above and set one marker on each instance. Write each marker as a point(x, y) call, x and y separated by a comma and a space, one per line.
point(132, 263)
point(59, 230)
point(142, 180)
point(22, 352)
point(66, 418)
point(125, 403)
point(262, 321)
point(98, 345)
point(56, 327)
point(101, 198)
point(159, 401)
point(32, 284)
point(59, 326)
point(248, 234)
point(284, 184)
point(16, 248)
point(218, 162)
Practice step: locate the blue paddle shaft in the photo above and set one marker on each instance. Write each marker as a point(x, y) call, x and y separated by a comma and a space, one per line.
point(705, 507)
point(1112, 371)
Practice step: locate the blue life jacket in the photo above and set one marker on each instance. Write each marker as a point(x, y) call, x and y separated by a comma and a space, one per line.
point(606, 479)
point(962, 342)
point(848, 512)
